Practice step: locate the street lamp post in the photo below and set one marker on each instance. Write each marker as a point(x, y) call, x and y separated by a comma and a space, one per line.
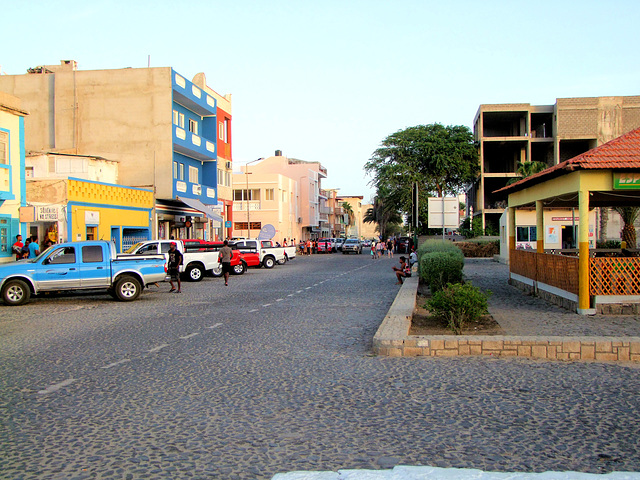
point(246, 174)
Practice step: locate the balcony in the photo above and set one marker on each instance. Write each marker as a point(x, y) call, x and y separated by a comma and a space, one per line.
point(193, 146)
point(323, 217)
point(192, 97)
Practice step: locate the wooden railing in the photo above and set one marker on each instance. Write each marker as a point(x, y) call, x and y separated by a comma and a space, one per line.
point(614, 276)
point(556, 270)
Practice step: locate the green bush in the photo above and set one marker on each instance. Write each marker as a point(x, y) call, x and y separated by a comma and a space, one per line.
point(608, 244)
point(458, 304)
point(439, 268)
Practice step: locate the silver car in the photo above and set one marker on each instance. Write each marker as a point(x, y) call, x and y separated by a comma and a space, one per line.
point(351, 245)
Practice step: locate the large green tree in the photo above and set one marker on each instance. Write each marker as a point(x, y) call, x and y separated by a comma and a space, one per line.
point(442, 159)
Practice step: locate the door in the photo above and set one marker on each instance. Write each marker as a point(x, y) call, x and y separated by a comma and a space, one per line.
point(59, 271)
point(115, 238)
point(94, 270)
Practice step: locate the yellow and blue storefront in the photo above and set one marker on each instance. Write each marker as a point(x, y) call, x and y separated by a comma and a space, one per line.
point(102, 211)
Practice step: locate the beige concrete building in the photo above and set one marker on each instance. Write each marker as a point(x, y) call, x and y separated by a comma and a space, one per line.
point(512, 133)
point(302, 214)
point(354, 227)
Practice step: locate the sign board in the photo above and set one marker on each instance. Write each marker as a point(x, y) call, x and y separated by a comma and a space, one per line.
point(626, 181)
point(443, 212)
point(91, 217)
point(227, 224)
point(27, 214)
point(267, 232)
point(47, 214)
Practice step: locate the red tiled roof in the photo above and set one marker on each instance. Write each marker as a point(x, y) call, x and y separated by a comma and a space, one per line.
point(620, 153)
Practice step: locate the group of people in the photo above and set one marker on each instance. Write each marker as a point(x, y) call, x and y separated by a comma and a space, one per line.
point(378, 249)
point(308, 247)
point(28, 249)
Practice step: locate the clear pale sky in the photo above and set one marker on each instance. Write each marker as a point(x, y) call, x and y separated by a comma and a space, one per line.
point(327, 81)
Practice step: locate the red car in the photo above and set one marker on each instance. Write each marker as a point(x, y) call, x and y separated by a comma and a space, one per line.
point(325, 245)
point(249, 259)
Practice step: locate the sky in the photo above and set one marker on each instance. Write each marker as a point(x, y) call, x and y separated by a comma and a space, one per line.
point(327, 81)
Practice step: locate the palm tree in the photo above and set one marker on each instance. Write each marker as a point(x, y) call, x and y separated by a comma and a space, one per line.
point(383, 214)
point(346, 206)
point(629, 215)
point(526, 169)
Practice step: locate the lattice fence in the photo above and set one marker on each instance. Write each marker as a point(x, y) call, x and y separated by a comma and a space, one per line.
point(559, 271)
point(614, 276)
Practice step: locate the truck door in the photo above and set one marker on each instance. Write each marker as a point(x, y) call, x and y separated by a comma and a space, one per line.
point(95, 271)
point(59, 270)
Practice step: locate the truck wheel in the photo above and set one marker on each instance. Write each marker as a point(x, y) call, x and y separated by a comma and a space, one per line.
point(15, 292)
point(269, 262)
point(217, 271)
point(127, 288)
point(240, 268)
point(195, 273)
point(283, 261)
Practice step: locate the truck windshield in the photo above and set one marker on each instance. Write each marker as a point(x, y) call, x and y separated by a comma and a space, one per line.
point(134, 247)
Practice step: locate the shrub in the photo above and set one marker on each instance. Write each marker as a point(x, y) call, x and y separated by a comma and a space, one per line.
point(458, 304)
point(439, 268)
point(608, 244)
point(479, 249)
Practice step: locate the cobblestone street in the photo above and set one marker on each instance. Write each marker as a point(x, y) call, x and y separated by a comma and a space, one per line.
point(275, 373)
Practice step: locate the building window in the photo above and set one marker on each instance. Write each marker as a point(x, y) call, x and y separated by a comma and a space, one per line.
point(4, 148)
point(269, 194)
point(228, 178)
point(221, 131)
point(226, 131)
point(175, 117)
point(175, 170)
point(220, 177)
point(241, 195)
point(181, 120)
point(193, 126)
point(193, 174)
point(181, 172)
point(526, 234)
point(92, 233)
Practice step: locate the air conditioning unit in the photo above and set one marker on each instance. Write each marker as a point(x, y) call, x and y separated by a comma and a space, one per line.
point(299, 219)
point(229, 166)
point(197, 190)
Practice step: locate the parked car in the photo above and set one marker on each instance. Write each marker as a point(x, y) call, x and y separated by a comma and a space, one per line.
point(404, 244)
point(269, 254)
point(325, 245)
point(366, 243)
point(339, 242)
point(76, 266)
point(351, 245)
point(197, 258)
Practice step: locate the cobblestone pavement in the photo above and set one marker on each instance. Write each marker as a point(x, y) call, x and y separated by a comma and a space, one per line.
point(275, 374)
point(522, 314)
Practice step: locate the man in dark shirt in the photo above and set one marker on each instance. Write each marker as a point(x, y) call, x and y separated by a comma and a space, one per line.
point(173, 267)
point(224, 257)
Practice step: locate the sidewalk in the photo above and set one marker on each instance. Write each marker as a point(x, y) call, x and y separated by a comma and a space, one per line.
point(533, 327)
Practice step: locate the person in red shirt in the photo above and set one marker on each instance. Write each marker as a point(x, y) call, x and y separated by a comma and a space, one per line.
point(17, 247)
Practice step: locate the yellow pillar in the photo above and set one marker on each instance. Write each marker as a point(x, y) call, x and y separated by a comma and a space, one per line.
point(584, 300)
point(539, 227)
point(512, 229)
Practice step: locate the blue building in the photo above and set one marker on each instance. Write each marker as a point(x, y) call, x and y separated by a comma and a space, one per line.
point(12, 174)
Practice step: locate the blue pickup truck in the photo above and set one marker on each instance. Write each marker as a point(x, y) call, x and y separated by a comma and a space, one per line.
point(91, 265)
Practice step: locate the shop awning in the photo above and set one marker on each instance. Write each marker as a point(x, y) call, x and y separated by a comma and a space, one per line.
point(201, 207)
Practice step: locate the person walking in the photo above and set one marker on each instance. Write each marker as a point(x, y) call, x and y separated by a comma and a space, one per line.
point(224, 257)
point(390, 248)
point(17, 247)
point(34, 248)
point(173, 267)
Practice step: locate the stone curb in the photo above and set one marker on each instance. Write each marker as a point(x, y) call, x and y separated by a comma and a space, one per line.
point(392, 339)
